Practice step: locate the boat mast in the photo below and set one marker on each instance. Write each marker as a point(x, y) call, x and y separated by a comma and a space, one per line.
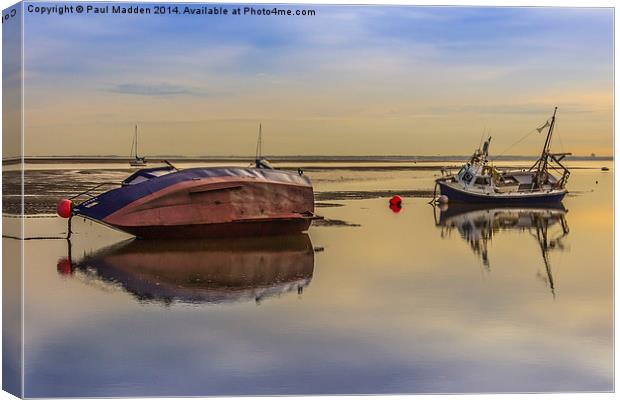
point(543, 160)
point(136, 139)
point(133, 144)
point(259, 143)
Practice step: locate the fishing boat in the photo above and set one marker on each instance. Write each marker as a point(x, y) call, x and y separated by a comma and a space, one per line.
point(479, 182)
point(135, 160)
point(166, 202)
point(478, 224)
point(199, 270)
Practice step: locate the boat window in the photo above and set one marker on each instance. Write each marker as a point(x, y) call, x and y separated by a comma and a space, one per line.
point(483, 180)
point(467, 177)
point(137, 179)
point(146, 174)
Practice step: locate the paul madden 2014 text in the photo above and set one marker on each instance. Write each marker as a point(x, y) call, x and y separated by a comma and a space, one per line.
point(169, 9)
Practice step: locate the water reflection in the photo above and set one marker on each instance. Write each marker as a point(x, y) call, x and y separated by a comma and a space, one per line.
point(213, 271)
point(479, 224)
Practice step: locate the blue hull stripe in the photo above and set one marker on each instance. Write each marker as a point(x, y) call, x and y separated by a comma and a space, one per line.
point(459, 196)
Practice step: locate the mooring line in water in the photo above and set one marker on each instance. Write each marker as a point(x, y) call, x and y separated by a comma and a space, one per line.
point(16, 216)
point(35, 237)
point(434, 199)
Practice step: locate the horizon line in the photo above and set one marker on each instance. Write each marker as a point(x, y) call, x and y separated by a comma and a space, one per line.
point(293, 156)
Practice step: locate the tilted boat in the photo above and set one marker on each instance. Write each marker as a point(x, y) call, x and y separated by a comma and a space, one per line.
point(165, 202)
point(200, 270)
point(478, 182)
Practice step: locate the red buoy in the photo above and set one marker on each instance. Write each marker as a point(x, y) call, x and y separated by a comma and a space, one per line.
point(396, 200)
point(395, 207)
point(64, 207)
point(396, 203)
point(64, 266)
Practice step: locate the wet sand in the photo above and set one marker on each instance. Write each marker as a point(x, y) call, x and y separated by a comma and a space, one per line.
point(44, 187)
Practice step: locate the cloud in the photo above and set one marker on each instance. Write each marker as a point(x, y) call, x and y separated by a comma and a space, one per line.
point(541, 109)
point(157, 90)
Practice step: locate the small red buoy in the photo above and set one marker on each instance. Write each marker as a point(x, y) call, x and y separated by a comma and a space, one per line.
point(396, 200)
point(64, 207)
point(64, 266)
point(396, 207)
point(396, 203)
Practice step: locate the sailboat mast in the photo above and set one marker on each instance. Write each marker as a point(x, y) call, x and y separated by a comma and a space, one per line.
point(259, 143)
point(136, 139)
point(133, 144)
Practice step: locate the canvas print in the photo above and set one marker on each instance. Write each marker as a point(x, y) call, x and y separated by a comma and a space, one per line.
point(205, 199)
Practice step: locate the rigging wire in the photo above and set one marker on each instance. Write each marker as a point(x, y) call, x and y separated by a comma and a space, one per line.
point(557, 134)
point(514, 144)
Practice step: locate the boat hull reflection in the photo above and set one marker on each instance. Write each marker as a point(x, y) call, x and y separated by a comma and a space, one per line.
point(478, 224)
point(457, 214)
point(202, 271)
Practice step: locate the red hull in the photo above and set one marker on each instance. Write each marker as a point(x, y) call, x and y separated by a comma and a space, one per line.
point(226, 206)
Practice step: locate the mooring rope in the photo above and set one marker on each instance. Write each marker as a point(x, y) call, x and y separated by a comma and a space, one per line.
point(35, 237)
point(434, 194)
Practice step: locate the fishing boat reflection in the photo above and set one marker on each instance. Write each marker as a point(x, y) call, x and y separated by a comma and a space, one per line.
point(478, 224)
point(205, 271)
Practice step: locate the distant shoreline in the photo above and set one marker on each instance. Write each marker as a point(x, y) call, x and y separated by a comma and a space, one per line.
point(305, 159)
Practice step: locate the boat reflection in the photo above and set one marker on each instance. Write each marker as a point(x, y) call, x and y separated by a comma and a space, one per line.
point(201, 271)
point(478, 224)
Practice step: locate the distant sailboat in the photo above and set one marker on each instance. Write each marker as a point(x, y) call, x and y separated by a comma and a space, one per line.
point(259, 161)
point(135, 160)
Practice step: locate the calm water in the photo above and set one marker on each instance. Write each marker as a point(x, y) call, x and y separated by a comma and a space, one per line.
point(423, 300)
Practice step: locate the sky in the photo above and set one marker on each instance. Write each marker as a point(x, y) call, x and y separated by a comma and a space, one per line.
point(351, 80)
